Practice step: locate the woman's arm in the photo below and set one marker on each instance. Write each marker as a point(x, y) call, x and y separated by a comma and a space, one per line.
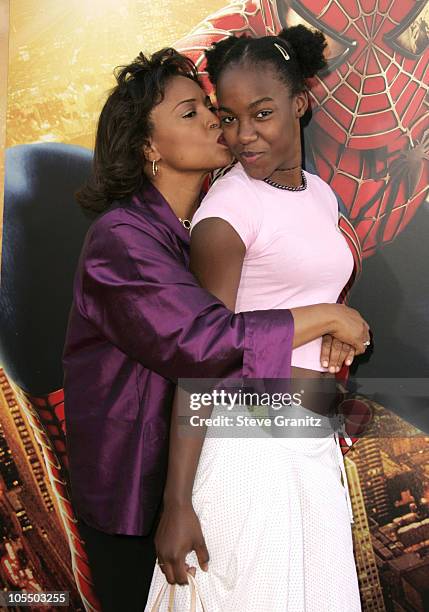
point(138, 293)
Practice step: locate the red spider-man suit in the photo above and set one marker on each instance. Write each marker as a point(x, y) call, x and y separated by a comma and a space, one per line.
point(369, 137)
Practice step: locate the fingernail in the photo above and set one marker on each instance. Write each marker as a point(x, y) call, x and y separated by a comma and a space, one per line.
point(337, 369)
point(348, 362)
point(325, 364)
point(332, 370)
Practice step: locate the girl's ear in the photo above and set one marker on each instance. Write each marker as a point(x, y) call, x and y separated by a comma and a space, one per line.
point(301, 104)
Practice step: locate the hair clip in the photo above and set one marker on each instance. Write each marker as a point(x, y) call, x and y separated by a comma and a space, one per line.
point(283, 51)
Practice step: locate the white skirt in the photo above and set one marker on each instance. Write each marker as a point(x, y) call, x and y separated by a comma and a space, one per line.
point(275, 515)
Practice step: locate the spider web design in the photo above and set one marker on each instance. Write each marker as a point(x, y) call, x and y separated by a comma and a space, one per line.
point(376, 103)
point(372, 60)
point(254, 18)
point(378, 206)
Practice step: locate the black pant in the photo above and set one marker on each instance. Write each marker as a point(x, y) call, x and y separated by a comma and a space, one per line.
point(121, 567)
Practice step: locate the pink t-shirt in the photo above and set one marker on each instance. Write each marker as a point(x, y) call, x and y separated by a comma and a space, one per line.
point(295, 253)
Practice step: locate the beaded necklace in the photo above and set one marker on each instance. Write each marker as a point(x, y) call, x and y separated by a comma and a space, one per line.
point(288, 187)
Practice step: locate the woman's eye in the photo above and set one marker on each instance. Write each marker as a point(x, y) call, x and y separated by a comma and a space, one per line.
point(212, 108)
point(263, 114)
point(227, 120)
point(189, 114)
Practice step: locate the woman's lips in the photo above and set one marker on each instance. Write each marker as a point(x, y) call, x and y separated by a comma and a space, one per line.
point(250, 157)
point(221, 140)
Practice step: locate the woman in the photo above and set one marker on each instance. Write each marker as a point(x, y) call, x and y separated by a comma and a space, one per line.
point(274, 514)
point(140, 320)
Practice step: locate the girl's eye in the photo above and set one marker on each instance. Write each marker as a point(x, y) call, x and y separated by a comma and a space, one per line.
point(227, 120)
point(189, 114)
point(212, 108)
point(263, 114)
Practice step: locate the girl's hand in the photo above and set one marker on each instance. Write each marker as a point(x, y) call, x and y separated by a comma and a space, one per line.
point(179, 532)
point(335, 354)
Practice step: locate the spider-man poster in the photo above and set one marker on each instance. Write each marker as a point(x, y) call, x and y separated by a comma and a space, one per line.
point(368, 138)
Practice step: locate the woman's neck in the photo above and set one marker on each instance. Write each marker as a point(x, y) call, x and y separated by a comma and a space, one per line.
point(181, 191)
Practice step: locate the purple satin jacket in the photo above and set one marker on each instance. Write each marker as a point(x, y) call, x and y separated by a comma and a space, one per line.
point(140, 321)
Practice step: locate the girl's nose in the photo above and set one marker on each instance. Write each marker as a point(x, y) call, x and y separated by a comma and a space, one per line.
point(246, 133)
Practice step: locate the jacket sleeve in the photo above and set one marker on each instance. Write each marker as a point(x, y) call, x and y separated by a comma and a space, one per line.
point(137, 292)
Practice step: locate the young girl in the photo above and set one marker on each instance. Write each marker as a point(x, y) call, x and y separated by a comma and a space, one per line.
point(274, 513)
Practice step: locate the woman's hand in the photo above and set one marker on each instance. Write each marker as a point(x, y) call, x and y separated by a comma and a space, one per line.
point(349, 327)
point(337, 320)
point(335, 353)
point(179, 532)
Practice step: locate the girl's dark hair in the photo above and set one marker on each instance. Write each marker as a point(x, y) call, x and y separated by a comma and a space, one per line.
point(125, 125)
point(302, 46)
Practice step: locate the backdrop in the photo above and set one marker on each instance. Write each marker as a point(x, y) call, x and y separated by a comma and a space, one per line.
point(369, 138)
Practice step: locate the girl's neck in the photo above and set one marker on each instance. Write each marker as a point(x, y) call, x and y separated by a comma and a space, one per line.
point(289, 172)
point(291, 177)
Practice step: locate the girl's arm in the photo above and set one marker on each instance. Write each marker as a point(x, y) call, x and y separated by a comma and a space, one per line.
point(217, 254)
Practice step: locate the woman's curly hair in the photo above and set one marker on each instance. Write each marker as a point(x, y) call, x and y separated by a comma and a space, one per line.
point(125, 125)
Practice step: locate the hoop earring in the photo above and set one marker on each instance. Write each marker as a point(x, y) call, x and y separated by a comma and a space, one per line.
point(154, 168)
